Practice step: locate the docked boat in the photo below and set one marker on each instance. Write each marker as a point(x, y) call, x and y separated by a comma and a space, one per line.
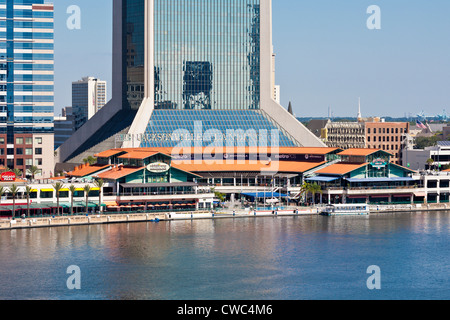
point(346, 210)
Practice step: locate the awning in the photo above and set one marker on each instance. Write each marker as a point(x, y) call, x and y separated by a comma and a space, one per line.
point(402, 195)
point(47, 190)
point(265, 195)
point(380, 196)
point(395, 179)
point(323, 179)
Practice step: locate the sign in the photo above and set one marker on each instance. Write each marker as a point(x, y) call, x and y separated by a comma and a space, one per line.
point(158, 167)
point(379, 163)
point(8, 177)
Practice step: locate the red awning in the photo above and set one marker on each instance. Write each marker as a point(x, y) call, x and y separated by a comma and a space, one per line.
point(380, 196)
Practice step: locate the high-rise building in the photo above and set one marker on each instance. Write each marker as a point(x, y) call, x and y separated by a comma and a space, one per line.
point(186, 68)
point(26, 85)
point(88, 97)
point(64, 126)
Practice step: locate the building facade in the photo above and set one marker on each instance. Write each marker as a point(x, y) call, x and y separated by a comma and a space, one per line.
point(27, 85)
point(391, 137)
point(64, 126)
point(186, 68)
point(88, 97)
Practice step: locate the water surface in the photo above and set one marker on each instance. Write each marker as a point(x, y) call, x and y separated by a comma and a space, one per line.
point(280, 258)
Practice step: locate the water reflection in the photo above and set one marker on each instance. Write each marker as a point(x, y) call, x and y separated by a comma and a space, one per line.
point(263, 258)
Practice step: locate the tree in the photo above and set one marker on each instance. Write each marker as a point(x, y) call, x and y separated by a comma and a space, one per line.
point(17, 172)
point(58, 186)
point(99, 184)
point(28, 191)
point(33, 171)
point(90, 160)
point(315, 189)
point(87, 190)
point(14, 190)
point(72, 190)
point(305, 189)
point(2, 192)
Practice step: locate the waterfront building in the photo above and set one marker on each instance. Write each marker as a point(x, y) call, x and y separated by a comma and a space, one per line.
point(391, 137)
point(431, 158)
point(369, 176)
point(88, 97)
point(27, 85)
point(168, 86)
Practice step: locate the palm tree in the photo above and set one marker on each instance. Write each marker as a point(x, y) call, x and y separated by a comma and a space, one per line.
point(305, 189)
point(315, 189)
point(58, 186)
point(28, 191)
point(87, 189)
point(72, 190)
point(2, 192)
point(14, 190)
point(99, 183)
point(17, 172)
point(33, 171)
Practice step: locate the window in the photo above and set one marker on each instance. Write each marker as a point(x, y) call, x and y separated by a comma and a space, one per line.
point(28, 151)
point(2, 140)
point(19, 162)
point(39, 162)
point(28, 162)
point(28, 140)
point(19, 151)
point(38, 151)
point(38, 140)
point(19, 140)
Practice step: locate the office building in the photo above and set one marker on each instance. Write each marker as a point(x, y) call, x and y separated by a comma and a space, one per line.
point(64, 126)
point(88, 97)
point(169, 87)
point(26, 85)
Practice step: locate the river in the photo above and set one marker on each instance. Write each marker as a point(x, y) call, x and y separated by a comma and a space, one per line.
point(276, 258)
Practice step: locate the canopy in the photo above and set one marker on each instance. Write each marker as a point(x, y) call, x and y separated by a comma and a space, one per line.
point(323, 179)
point(265, 195)
point(394, 179)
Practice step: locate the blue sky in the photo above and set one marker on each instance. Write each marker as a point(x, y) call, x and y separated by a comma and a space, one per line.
point(326, 56)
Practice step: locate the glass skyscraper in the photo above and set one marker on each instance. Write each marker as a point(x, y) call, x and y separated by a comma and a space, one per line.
point(26, 84)
point(180, 65)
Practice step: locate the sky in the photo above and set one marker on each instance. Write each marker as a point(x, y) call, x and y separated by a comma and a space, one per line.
point(326, 56)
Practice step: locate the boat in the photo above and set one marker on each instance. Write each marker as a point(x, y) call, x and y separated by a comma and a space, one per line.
point(346, 210)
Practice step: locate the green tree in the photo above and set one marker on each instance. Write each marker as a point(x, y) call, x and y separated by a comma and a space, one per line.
point(34, 171)
point(17, 172)
point(72, 190)
point(315, 189)
point(87, 190)
point(28, 191)
point(99, 184)
point(57, 186)
point(2, 192)
point(14, 190)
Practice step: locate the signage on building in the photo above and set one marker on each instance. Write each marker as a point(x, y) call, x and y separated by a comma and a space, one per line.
point(379, 163)
point(8, 177)
point(158, 167)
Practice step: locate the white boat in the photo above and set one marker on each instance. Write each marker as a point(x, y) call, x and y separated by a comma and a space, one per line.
point(346, 210)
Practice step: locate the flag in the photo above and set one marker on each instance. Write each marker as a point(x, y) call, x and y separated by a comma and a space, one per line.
point(421, 125)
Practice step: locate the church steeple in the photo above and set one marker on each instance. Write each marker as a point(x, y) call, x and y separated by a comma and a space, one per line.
point(359, 110)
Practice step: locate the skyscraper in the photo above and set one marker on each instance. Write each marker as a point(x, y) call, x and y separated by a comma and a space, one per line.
point(26, 85)
point(88, 97)
point(186, 65)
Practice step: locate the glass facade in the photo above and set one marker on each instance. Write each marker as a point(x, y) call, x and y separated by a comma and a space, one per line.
point(170, 128)
point(206, 70)
point(207, 54)
point(26, 67)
